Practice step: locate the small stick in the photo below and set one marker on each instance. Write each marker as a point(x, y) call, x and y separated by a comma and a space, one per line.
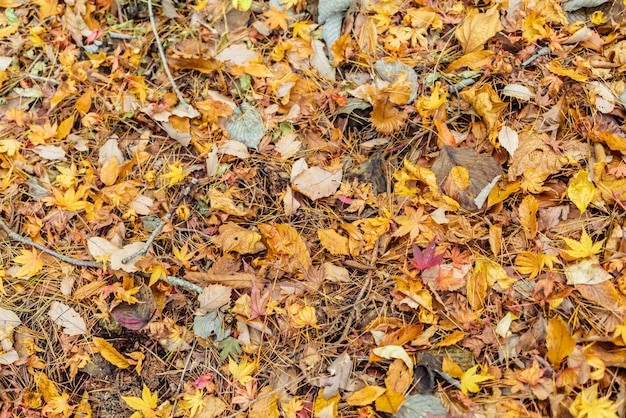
point(157, 39)
point(17, 237)
point(143, 250)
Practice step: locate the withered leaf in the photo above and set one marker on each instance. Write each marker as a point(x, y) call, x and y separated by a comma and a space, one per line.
point(483, 171)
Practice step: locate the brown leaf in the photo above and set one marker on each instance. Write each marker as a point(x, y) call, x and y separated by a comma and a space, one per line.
point(483, 173)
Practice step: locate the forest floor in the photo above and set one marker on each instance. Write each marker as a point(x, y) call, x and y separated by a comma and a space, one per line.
point(290, 209)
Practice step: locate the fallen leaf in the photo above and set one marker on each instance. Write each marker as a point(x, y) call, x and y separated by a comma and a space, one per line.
point(66, 317)
point(483, 173)
point(478, 28)
point(559, 342)
point(315, 182)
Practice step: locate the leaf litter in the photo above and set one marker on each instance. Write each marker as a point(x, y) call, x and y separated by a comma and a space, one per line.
point(297, 209)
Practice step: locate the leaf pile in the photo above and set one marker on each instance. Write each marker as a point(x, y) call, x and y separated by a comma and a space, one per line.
point(352, 208)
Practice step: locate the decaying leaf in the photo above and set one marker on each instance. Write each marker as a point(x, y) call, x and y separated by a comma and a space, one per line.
point(483, 172)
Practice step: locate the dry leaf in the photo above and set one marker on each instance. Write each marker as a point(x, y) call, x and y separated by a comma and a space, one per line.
point(68, 318)
point(213, 297)
point(483, 172)
point(478, 28)
point(559, 342)
point(232, 237)
point(110, 354)
point(315, 183)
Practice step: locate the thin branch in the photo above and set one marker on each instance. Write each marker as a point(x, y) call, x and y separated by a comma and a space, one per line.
point(17, 237)
point(157, 39)
point(144, 249)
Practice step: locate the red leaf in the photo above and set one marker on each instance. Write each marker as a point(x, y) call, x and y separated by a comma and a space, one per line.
point(426, 259)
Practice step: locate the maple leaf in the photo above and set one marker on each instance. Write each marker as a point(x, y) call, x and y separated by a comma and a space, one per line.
point(10, 146)
point(470, 380)
point(176, 174)
point(414, 222)
point(423, 260)
point(183, 255)
point(277, 18)
point(258, 303)
point(30, 261)
point(69, 201)
point(587, 405)
point(242, 372)
point(58, 405)
point(146, 404)
point(583, 248)
point(193, 403)
point(228, 347)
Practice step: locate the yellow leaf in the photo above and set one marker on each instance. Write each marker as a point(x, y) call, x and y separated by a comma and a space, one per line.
point(145, 404)
point(176, 174)
point(473, 60)
point(83, 103)
point(450, 367)
point(556, 68)
point(109, 171)
point(323, 404)
point(598, 18)
point(9, 30)
point(45, 386)
point(277, 18)
point(460, 177)
point(232, 237)
point(415, 223)
point(581, 249)
point(587, 405)
point(470, 380)
point(110, 354)
point(487, 104)
point(559, 342)
point(528, 216)
point(58, 405)
point(394, 352)
point(385, 117)
point(193, 403)
point(266, 405)
point(333, 242)
point(478, 28)
point(242, 5)
point(389, 402)
point(65, 127)
point(581, 190)
point(285, 244)
point(399, 377)
point(241, 372)
point(30, 261)
point(365, 396)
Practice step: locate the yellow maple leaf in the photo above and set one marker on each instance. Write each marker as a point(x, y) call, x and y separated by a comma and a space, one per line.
point(70, 200)
point(242, 372)
point(58, 405)
point(176, 174)
point(30, 261)
point(193, 403)
point(587, 405)
point(10, 146)
point(414, 223)
point(470, 380)
point(277, 18)
point(39, 134)
point(146, 404)
point(581, 249)
point(183, 255)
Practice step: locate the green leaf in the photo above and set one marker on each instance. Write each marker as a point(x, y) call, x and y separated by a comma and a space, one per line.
point(229, 347)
